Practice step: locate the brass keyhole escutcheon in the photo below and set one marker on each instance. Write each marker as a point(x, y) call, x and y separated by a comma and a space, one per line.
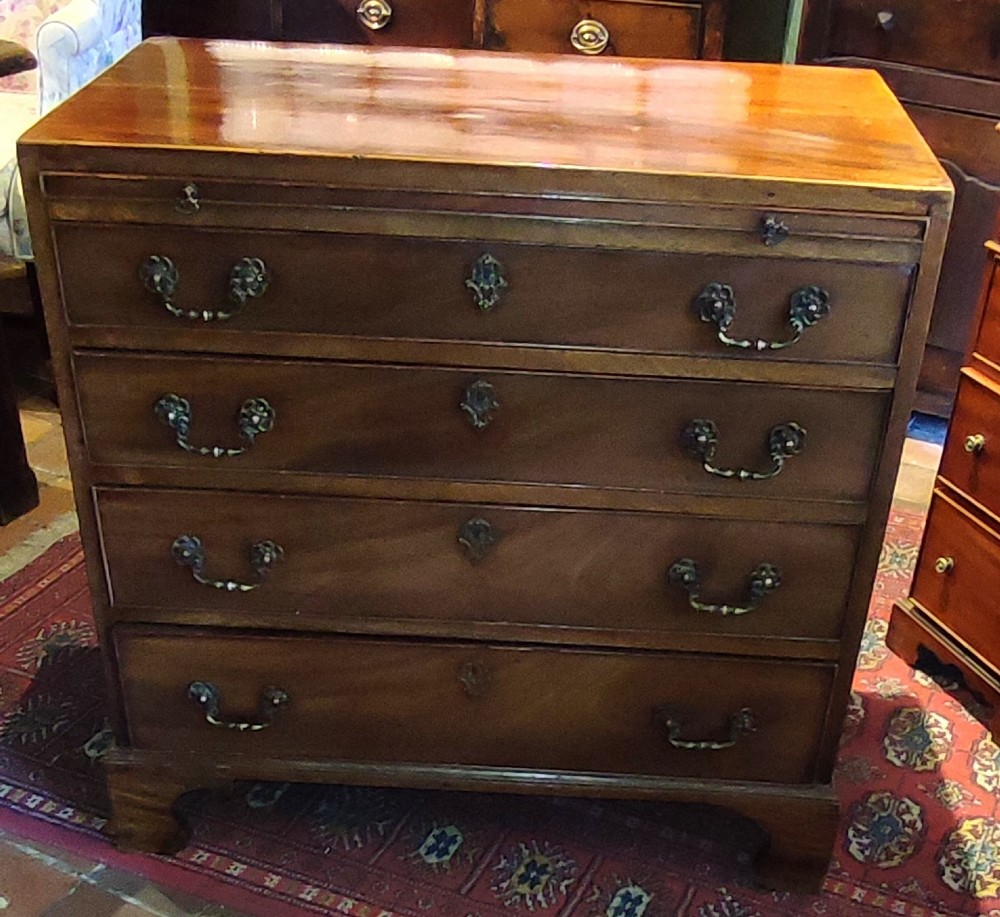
point(944, 564)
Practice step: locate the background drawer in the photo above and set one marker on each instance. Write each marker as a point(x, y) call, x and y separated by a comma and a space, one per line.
point(432, 23)
point(397, 421)
point(635, 29)
point(348, 559)
point(963, 597)
point(416, 289)
point(958, 35)
point(506, 706)
point(971, 459)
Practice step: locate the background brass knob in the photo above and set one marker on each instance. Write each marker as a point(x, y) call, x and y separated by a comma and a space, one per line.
point(374, 14)
point(589, 36)
point(944, 564)
point(975, 443)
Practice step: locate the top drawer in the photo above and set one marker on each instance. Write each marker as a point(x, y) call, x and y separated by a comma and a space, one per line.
point(959, 35)
point(439, 290)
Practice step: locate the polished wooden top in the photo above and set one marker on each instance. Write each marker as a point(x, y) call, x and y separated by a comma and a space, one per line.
point(797, 124)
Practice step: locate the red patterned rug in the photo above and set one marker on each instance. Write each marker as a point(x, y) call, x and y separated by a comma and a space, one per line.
point(918, 780)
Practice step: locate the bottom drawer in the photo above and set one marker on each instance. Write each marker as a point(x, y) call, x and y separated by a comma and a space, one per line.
point(958, 576)
point(449, 703)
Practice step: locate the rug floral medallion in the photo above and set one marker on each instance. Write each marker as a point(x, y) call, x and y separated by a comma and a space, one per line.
point(918, 778)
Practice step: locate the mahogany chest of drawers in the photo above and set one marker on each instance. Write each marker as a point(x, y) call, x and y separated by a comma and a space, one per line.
point(400, 382)
point(949, 624)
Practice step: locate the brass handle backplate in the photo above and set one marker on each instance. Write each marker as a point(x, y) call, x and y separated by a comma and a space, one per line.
point(975, 443)
point(763, 579)
point(249, 279)
point(700, 438)
point(188, 551)
point(374, 14)
point(741, 724)
point(590, 36)
point(716, 304)
point(207, 696)
point(486, 282)
point(479, 403)
point(256, 416)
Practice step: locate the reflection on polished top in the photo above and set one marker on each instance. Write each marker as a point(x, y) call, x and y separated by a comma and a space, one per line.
point(803, 124)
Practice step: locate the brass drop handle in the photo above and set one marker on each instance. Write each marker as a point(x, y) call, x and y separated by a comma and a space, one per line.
point(249, 279)
point(700, 438)
point(886, 20)
point(741, 724)
point(975, 444)
point(479, 403)
point(486, 282)
point(477, 536)
point(189, 199)
point(763, 579)
point(944, 565)
point(374, 14)
point(256, 416)
point(207, 696)
point(590, 36)
point(188, 551)
point(716, 304)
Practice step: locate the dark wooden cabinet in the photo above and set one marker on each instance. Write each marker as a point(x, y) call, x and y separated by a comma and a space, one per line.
point(949, 624)
point(630, 28)
point(942, 59)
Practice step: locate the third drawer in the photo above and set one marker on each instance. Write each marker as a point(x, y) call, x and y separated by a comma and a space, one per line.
point(630, 575)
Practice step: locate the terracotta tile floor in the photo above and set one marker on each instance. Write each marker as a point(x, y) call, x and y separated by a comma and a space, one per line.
point(41, 881)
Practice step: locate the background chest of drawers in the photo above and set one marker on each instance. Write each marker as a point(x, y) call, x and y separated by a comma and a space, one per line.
point(372, 416)
point(630, 28)
point(942, 60)
point(949, 624)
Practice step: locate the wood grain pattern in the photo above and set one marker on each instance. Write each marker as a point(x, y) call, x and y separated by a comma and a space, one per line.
point(408, 422)
point(390, 560)
point(727, 120)
point(382, 701)
point(621, 301)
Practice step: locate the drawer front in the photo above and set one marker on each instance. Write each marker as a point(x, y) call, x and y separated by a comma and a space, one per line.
point(988, 339)
point(957, 35)
point(589, 27)
point(613, 573)
point(507, 706)
point(483, 426)
point(386, 287)
point(430, 23)
point(971, 459)
point(958, 576)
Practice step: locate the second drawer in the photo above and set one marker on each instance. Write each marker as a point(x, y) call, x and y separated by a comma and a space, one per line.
point(653, 435)
point(345, 559)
